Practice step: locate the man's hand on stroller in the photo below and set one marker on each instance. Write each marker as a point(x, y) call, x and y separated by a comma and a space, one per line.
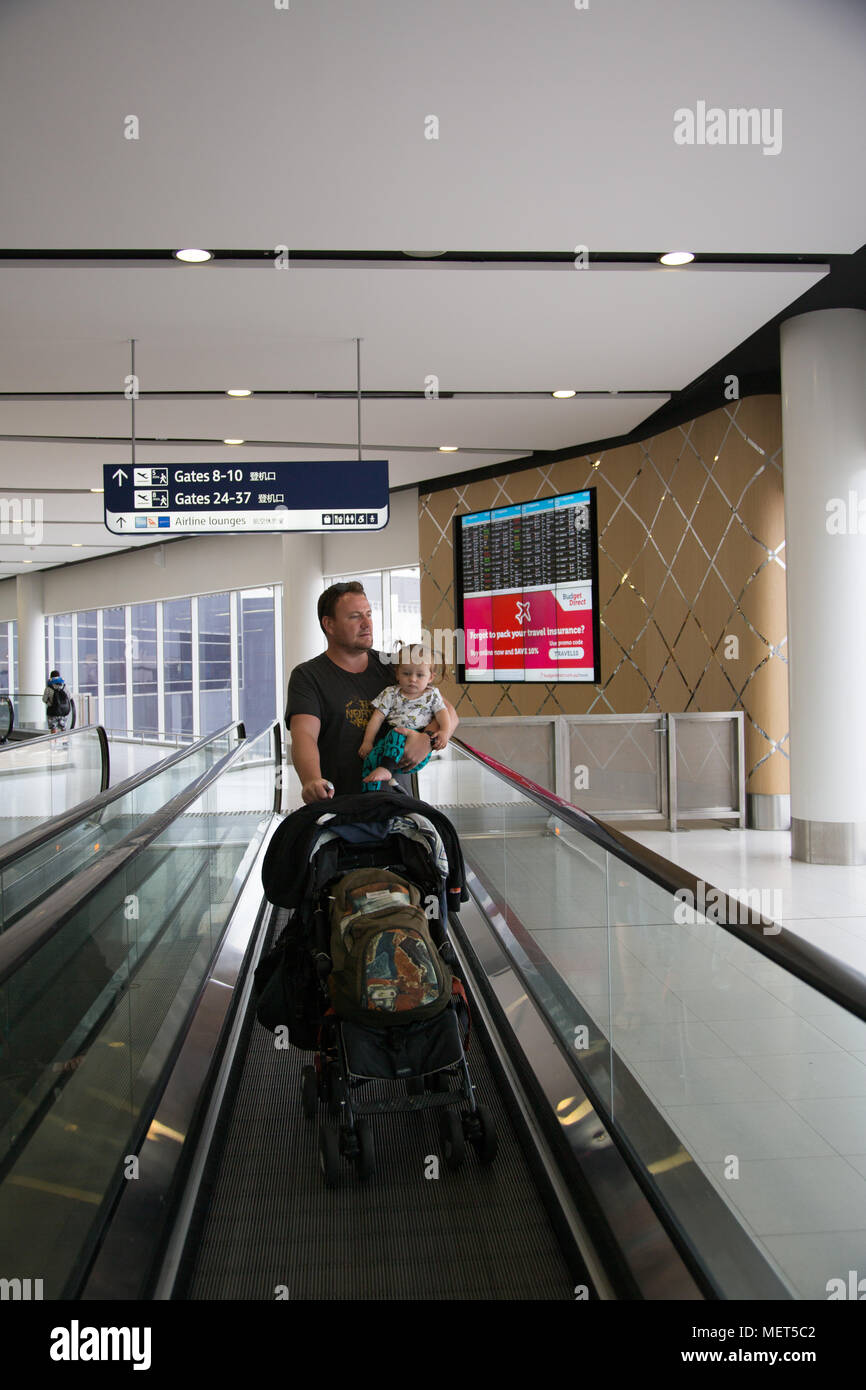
point(318, 789)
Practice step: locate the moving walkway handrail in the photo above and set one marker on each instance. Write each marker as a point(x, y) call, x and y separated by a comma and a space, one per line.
point(65, 820)
point(69, 733)
point(9, 697)
point(831, 977)
point(25, 937)
point(6, 703)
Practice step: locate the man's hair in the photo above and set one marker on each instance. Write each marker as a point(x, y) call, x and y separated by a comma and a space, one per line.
point(328, 600)
point(52, 674)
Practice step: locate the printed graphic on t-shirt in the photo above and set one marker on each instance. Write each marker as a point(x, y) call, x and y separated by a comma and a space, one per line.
point(359, 713)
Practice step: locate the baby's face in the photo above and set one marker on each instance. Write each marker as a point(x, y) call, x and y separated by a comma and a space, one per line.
point(413, 678)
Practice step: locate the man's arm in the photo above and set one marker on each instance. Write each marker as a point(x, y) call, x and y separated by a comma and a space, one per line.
point(304, 729)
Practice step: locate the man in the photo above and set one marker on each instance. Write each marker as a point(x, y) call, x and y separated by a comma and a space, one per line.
point(330, 699)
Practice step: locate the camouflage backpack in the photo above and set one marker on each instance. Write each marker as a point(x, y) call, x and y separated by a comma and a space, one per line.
point(386, 969)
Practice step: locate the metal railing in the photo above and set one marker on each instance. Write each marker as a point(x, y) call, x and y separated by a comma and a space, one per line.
point(628, 766)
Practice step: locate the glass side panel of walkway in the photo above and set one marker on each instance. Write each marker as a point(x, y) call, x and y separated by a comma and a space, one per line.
point(42, 777)
point(37, 869)
point(89, 1022)
point(757, 1079)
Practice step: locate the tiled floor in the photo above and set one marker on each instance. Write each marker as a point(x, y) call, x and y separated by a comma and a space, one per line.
point(822, 903)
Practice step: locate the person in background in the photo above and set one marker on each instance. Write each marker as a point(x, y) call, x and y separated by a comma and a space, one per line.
point(56, 697)
point(330, 699)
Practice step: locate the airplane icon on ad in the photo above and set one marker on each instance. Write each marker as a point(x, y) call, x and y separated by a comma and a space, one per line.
point(523, 614)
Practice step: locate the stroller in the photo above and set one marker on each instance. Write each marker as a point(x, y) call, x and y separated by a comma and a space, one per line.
point(418, 1065)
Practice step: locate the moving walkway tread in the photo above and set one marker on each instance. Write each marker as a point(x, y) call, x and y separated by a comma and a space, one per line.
point(266, 1226)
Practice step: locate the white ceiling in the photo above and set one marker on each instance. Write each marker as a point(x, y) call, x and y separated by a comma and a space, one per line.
point(261, 127)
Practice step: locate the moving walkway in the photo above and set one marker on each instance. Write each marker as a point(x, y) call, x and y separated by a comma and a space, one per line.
point(173, 1160)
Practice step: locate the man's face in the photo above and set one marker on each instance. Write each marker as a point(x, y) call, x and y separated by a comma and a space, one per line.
point(352, 624)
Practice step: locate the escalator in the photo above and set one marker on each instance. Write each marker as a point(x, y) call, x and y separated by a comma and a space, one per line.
point(596, 1191)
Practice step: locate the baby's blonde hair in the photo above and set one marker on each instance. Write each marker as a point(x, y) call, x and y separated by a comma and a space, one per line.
point(416, 654)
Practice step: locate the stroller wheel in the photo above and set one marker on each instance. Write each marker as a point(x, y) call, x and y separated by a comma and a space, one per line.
point(329, 1155)
point(366, 1159)
point(309, 1091)
point(451, 1139)
point(484, 1141)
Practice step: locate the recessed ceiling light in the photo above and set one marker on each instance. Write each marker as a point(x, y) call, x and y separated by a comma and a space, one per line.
point(76, 545)
point(193, 255)
point(27, 562)
point(238, 391)
point(563, 395)
point(233, 441)
point(448, 448)
point(97, 489)
point(677, 257)
point(424, 255)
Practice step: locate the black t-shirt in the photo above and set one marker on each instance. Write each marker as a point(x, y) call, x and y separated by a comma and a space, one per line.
point(343, 702)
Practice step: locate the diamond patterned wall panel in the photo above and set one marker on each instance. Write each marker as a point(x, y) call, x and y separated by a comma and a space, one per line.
point(691, 578)
point(528, 748)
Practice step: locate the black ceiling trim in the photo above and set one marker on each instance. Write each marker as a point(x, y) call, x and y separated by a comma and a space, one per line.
point(648, 258)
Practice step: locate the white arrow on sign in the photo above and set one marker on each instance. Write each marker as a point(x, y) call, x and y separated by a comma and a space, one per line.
point(119, 475)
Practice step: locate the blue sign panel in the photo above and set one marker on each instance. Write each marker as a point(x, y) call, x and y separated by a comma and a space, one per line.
point(180, 499)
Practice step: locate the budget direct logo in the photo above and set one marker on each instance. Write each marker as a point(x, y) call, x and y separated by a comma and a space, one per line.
point(573, 598)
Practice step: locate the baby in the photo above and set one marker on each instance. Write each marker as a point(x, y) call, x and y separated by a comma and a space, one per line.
point(410, 704)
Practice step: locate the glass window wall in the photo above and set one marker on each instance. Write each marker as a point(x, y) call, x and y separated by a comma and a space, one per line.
point(114, 667)
point(395, 599)
point(215, 659)
point(145, 675)
point(186, 666)
point(88, 654)
point(177, 664)
point(257, 658)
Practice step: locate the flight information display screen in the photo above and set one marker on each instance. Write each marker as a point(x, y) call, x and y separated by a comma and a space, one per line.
point(527, 591)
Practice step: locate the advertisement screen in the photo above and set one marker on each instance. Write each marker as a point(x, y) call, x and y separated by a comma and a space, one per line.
point(527, 591)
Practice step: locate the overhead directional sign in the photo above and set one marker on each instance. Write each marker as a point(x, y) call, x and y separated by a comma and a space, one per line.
point(179, 499)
